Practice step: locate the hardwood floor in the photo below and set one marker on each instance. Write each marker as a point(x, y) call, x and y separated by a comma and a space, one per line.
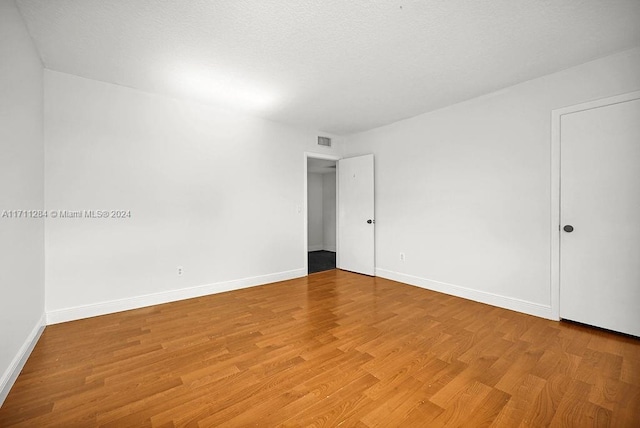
point(332, 349)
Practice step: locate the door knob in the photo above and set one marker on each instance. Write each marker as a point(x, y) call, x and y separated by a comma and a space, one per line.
point(371, 221)
point(568, 228)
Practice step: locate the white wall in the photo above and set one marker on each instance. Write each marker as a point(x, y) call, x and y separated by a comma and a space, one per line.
point(464, 191)
point(321, 211)
point(315, 239)
point(21, 188)
point(329, 211)
point(201, 184)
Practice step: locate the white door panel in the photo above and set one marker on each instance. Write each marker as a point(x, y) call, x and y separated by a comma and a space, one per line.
point(600, 198)
point(356, 251)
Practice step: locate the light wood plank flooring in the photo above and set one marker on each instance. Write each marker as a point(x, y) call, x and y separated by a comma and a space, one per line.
point(333, 349)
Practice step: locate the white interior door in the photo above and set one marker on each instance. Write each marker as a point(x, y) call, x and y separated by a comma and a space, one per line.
point(600, 200)
point(356, 225)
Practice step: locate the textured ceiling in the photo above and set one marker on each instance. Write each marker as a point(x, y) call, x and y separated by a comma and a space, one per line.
point(339, 66)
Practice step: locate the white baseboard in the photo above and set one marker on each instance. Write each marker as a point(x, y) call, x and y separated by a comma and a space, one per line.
point(315, 247)
point(505, 302)
point(11, 373)
point(102, 308)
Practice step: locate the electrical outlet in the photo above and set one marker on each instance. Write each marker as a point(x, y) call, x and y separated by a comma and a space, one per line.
point(180, 270)
point(401, 257)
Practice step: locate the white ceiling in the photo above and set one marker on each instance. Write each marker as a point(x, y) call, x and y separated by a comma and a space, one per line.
point(339, 66)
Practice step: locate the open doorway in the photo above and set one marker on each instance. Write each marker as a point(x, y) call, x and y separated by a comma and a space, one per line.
point(321, 214)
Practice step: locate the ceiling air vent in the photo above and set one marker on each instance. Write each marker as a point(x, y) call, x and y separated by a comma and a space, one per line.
point(324, 141)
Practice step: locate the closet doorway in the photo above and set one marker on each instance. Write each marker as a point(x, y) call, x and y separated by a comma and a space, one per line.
point(321, 214)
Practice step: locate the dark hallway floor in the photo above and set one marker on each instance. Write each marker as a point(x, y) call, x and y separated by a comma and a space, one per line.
point(321, 260)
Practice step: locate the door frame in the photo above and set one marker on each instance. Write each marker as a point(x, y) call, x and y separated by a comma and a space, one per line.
point(305, 215)
point(556, 117)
